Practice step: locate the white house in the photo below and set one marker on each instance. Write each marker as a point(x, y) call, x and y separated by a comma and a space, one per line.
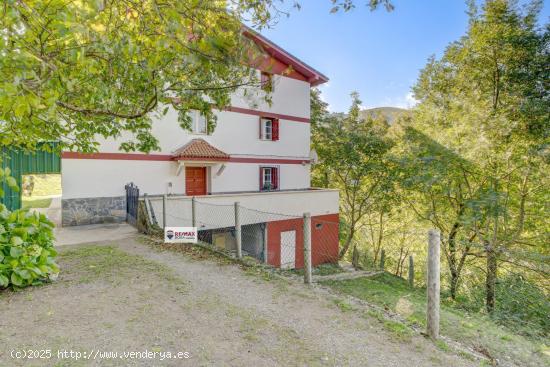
point(258, 151)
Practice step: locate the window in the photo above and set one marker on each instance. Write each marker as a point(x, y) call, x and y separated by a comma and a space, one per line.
point(199, 125)
point(269, 128)
point(266, 81)
point(269, 178)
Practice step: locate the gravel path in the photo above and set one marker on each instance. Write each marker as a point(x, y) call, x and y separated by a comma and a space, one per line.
point(139, 298)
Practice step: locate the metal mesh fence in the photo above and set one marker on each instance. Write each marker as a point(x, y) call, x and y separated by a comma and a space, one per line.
point(278, 239)
point(273, 238)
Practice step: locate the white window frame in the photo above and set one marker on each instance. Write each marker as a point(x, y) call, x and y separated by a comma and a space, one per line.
point(267, 129)
point(196, 117)
point(265, 170)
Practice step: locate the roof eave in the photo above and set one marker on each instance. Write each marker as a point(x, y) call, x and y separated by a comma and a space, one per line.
point(314, 76)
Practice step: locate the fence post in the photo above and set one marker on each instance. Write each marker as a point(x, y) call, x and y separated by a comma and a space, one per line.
point(382, 259)
point(193, 212)
point(433, 286)
point(163, 212)
point(238, 235)
point(411, 272)
point(307, 248)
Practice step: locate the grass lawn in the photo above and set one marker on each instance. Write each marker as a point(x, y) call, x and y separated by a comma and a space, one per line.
point(46, 185)
point(475, 330)
point(36, 202)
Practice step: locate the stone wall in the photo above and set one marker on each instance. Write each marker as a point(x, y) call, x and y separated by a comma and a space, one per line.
point(76, 212)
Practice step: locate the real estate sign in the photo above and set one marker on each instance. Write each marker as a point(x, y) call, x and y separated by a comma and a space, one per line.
point(180, 235)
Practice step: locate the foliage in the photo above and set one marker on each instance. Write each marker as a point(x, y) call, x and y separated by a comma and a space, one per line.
point(471, 159)
point(521, 305)
point(347, 5)
point(26, 248)
point(70, 71)
point(5, 176)
point(476, 147)
point(473, 329)
point(353, 158)
point(36, 202)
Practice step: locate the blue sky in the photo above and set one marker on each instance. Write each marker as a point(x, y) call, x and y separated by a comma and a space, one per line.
point(378, 54)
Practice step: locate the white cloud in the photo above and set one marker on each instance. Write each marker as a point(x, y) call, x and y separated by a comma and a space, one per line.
point(323, 88)
point(406, 101)
point(411, 101)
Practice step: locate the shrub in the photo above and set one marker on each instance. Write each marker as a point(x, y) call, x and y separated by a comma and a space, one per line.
point(520, 305)
point(26, 248)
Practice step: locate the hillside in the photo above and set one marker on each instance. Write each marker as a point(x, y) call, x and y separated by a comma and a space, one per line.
point(389, 113)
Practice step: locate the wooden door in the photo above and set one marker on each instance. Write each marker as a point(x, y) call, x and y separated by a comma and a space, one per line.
point(195, 181)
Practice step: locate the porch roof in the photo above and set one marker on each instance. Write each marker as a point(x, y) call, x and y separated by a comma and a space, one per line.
point(199, 149)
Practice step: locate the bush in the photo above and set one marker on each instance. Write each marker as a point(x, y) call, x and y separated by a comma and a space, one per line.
point(26, 248)
point(520, 305)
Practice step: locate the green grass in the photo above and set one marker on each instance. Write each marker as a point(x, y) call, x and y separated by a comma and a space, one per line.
point(35, 202)
point(97, 263)
point(475, 330)
point(322, 269)
point(46, 185)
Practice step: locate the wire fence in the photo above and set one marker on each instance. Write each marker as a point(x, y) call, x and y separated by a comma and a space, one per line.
point(272, 238)
point(292, 241)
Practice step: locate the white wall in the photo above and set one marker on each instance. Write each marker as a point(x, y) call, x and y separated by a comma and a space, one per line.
point(217, 211)
point(289, 97)
point(84, 178)
point(238, 133)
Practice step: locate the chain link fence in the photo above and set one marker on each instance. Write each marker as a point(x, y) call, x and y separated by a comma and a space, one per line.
point(275, 239)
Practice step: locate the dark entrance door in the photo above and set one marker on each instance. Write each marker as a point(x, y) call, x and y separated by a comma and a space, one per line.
point(132, 197)
point(195, 181)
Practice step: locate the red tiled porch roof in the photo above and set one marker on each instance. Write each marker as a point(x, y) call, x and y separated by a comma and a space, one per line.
point(199, 149)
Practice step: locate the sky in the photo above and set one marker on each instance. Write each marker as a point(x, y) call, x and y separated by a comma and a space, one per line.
point(378, 54)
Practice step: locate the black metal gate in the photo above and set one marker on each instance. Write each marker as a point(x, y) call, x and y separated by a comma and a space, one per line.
point(132, 196)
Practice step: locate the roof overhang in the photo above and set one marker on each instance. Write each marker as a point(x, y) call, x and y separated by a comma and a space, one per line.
point(199, 150)
point(313, 76)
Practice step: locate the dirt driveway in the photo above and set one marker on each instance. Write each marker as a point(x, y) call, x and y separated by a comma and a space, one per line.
point(128, 297)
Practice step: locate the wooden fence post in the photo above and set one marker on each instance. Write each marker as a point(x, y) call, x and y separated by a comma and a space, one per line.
point(193, 212)
point(164, 212)
point(411, 272)
point(382, 259)
point(238, 235)
point(433, 286)
point(307, 248)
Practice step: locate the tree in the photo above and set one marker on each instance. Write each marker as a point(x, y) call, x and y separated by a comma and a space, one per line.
point(483, 118)
point(71, 71)
point(347, 5)
point(353, 159)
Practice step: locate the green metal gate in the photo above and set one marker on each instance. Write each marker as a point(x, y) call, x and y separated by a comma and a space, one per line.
point(20, 162)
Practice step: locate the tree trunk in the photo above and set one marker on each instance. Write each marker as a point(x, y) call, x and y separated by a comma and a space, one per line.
point(355, 258)
point(491, 277)
point(347, 244)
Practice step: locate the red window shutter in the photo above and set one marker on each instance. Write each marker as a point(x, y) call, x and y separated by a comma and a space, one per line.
point(275, 130)
point(260, 128)
point(275, 177)
point(261, 178)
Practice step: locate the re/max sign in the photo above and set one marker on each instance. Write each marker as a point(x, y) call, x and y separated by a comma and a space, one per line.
point(180, 235)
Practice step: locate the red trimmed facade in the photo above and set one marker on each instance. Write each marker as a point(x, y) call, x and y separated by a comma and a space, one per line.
point(167, 158)
point(324, 240)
